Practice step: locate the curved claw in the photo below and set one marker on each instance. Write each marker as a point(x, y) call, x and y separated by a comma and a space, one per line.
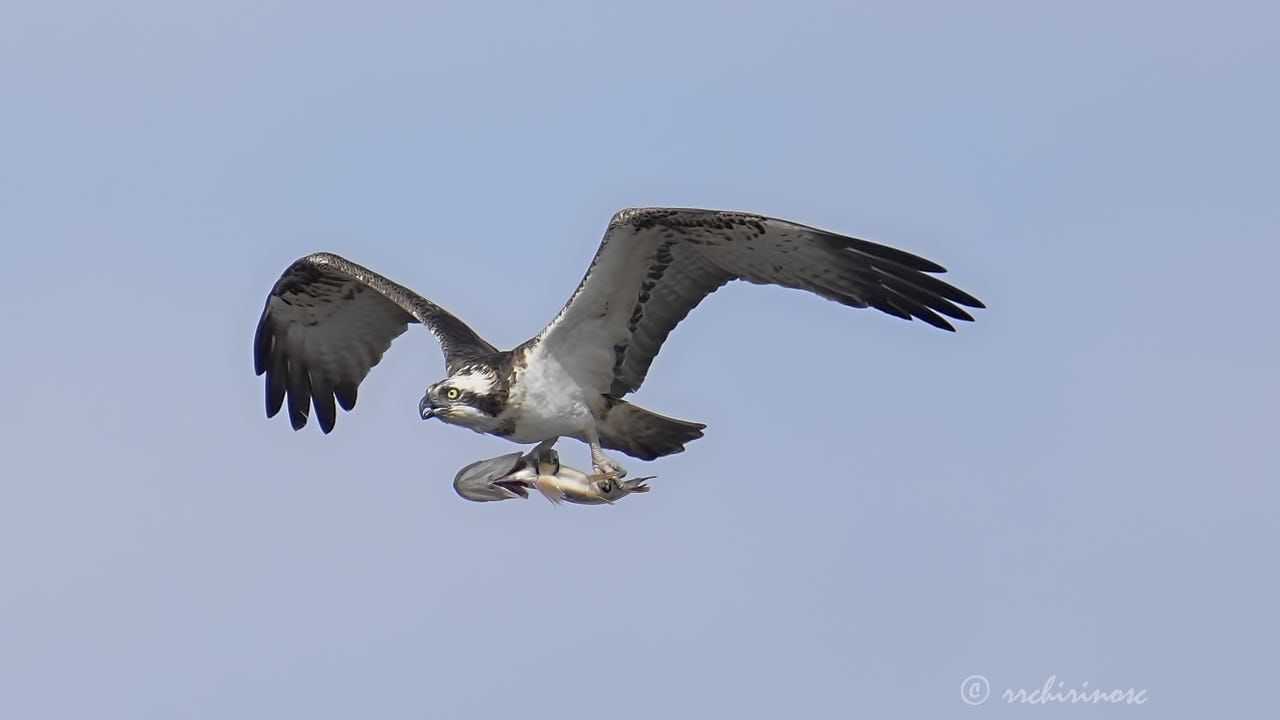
point(636, 484)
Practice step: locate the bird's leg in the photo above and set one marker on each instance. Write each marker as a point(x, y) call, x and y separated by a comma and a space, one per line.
point(602, 464)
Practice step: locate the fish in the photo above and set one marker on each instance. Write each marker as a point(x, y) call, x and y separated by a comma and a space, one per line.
point(513, 475)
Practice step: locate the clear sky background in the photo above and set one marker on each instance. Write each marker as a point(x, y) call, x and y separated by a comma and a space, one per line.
point(1083, 483)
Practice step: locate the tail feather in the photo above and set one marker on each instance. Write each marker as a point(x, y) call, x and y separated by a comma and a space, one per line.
point(644, 434)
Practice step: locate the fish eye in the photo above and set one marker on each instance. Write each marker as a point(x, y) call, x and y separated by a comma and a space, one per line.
point(452, 393)
point(606, 486)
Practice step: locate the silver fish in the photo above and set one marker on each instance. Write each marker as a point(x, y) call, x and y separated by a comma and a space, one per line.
point(513, 475)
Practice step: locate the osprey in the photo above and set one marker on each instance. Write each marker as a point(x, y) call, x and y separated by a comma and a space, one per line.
point(328, 321)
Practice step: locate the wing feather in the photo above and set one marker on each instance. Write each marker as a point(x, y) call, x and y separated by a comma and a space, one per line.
point(328, 321)
point(655, 265)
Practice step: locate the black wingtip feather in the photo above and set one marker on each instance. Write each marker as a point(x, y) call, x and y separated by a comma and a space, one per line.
point(297, 415)
point(918, 310)
point(925, 282)
point(893, 255)
point(261, 347)
point(888, 271)
point(275, 396)
point(326, 413)
point(299, 396)
point(346, 394)
point(907, 287)
point(277, 373)
point(884, 305)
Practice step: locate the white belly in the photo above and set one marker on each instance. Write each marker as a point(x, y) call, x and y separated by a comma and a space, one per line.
point(546, 403)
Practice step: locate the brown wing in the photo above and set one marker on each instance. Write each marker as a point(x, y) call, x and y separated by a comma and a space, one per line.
point(328, 321)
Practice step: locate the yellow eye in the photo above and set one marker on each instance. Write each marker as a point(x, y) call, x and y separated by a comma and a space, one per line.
point(452, 393)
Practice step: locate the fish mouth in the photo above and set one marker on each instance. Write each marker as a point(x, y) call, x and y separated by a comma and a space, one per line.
point(515, 487)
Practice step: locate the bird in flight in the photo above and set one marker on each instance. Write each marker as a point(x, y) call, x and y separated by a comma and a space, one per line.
point(328, 321)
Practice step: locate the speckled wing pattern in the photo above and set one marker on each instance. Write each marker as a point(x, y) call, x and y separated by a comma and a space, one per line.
point(656, 264)
point(328, 321)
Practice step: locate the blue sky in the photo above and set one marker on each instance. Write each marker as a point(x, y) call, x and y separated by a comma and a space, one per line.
point(1080, 484)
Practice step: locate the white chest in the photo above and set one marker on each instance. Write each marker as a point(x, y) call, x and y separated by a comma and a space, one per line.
point(545, 402)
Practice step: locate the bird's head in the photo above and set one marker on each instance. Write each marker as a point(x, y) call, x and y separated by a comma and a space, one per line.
point(469, 398)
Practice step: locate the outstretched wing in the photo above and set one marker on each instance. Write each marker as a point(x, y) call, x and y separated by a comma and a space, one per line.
point(655, 265)
point(328, 321)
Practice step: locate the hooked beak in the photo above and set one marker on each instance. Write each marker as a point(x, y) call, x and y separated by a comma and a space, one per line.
point(426, 409)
